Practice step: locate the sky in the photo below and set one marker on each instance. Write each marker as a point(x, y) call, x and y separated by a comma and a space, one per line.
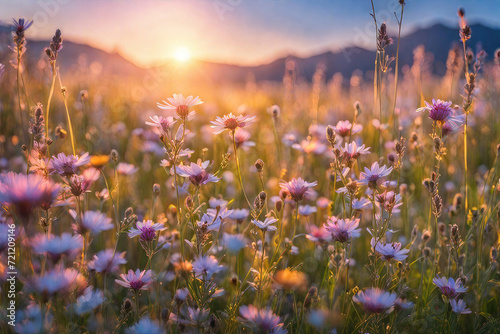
point(245, 32)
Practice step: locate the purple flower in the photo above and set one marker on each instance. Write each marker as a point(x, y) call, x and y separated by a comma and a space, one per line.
point(89, 300)
point(459, 307)
point(146, 229)
point(242, 138)
point(92, 221)
point(58, 281)
point(391, 251)
point(138, 280)
point(265, 225)
point(206, 265)
point(297, 188)
point(67, 165)
point(162, 124)
point(107, 262)
point(375, 300)
point(440, 111)
point(26, 192)
point(56, 246)
point(373, 176)
point(145, 325)
point(310, 146)
point(342, 230)
point(197, 173)
point(264, 320)
point(449, 287)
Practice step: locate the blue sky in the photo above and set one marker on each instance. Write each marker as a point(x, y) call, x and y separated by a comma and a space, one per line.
point(235, 31)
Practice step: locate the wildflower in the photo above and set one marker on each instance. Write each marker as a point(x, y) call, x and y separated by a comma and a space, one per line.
point(451, 127)
point(107, 262)
point(145, 326)
point(290, 279)
point(307, 210)
point(19, 28)
point(318, 234)
point(181, 105)
point(89, 301)
point(239, 215)
point(138, 280)
point(56, 246)
point(297, 188)
point(264, 320)
point(183, 267)
point(449, 287)
point(126, 169)
point(265, 225)
point(390, 201)
point(67, 165)
point(162, 124)
point(197, 174)
point(92, 221)
point(352, 151)
point(194, 317)
point(391, 251)
point(81, 184)
point(241, 137)
point(26, 192)
point(310, 146)
point(372, 176)
point(459, 307)
point(375, 300)
point(57, 281)
point(55, 46)
point(361, 204)
point(206, 265)
point(146, 230)
point(30, 320)
point(231, 122)
point(345, 128)
point(99, 161)
point(402, 304)
point(234, 242)
point(210, 222)
point(441, 112)
point(342, 230)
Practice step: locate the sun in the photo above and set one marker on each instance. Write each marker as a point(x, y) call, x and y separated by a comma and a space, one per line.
point(182, 54)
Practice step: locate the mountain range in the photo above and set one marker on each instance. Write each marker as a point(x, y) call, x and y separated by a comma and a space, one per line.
point(437, 39)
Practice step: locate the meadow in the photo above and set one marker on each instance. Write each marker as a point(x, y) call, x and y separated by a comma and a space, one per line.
point(362, 204)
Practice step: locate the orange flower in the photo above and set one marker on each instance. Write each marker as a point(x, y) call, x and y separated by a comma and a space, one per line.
point(290, 279)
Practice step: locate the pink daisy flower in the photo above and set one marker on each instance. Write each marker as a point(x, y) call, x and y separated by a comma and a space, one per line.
point(126, 169)
point(138, 280)
point(310, 146)
point(264, 320)
point(375, 300)
point(297, 188)
point(318, 234)
point(181, 105)
point(345, 128)
point(26, 192)
point(342, 230)
point(197, 174)
point(231, 122)
point(162, 124)
point(242, 138)
point(352, 151)
point(67, 165)
point(146, 230)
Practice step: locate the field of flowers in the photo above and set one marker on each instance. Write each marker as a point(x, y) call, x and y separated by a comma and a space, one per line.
point(297, 207)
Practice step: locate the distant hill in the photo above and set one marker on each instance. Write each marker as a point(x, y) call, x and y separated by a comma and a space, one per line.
point(437, 39)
